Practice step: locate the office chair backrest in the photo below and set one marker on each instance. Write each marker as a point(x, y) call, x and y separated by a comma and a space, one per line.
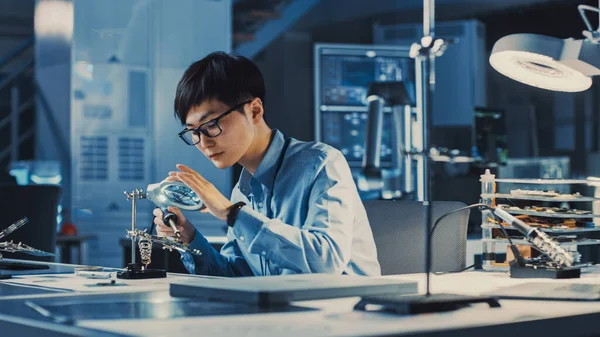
point(399, 233)
point(39, 204)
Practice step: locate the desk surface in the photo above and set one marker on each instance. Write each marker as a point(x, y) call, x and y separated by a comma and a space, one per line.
point(309, 318)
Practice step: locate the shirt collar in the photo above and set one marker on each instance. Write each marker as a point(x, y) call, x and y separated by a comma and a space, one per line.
point(265, 172)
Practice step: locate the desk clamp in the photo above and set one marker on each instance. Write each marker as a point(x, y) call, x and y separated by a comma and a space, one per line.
point(145, 241)
point(135, 270)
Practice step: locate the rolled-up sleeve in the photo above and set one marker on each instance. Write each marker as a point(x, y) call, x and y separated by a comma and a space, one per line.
point(323, 243)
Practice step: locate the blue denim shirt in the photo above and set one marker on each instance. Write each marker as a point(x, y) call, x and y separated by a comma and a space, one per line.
point(315, 221)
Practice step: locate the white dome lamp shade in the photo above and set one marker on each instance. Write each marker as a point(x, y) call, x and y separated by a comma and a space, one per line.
point(547, 62)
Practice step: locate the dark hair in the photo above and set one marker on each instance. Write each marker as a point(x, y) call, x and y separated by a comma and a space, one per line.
point(230, 79)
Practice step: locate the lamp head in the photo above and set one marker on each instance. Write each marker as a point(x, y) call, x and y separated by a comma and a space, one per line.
point(547, 62)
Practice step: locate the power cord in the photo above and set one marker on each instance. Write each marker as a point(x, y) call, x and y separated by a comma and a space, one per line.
point(452, 272)
point(479, 206)
point(437, 222)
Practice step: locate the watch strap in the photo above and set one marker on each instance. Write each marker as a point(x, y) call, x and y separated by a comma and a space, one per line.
point(233, 212)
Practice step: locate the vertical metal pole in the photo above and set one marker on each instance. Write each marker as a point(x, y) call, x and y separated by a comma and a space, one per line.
point(133, 207)
point(417, 141)
point(428, 17)
point(426, 71)
point(426, 174)
point(426, 114)
point(14, 123)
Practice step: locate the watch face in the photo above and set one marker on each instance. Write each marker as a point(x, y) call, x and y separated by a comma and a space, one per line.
point(181, 196)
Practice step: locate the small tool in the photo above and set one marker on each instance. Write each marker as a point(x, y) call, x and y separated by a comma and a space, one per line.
point(14, 227)
point(97, 274)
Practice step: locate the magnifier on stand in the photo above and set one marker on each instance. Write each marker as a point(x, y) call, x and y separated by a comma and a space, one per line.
point(176, 194)
point(163, 195)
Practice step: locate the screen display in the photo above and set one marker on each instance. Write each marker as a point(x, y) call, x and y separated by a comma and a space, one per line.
point(346, 78)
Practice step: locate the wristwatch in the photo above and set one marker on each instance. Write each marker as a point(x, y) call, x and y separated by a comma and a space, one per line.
point(233, 212)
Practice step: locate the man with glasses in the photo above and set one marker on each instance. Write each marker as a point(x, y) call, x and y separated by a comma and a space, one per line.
point(295, 208)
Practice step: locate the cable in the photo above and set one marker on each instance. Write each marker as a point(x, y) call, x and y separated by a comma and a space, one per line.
point(452, 272)
point(486, 206)
point(480, 205)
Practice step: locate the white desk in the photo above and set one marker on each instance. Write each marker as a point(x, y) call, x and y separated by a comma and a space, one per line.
point(337, 317)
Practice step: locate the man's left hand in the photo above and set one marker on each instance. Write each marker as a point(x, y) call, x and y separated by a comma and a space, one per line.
point(215, 202)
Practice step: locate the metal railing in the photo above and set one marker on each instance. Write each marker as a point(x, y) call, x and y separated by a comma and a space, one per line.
point(19, 102)
point(15, 53)
point(16, 139)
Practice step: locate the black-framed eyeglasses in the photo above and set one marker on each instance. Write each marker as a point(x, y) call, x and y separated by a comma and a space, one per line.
point(210, 129)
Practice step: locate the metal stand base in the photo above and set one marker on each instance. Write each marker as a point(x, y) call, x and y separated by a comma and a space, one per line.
point(135, 272)
point(420, 304)
point(543, 272)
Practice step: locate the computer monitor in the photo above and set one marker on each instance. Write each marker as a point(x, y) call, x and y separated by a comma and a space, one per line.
point(346, 78)
point(342, 77)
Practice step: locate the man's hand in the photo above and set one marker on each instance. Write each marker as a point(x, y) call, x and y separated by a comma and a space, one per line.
point(215, 202)
point(186, 229)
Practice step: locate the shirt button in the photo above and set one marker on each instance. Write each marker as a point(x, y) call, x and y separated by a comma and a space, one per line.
point(260, 204)
point(263, 253)
point(242, 238)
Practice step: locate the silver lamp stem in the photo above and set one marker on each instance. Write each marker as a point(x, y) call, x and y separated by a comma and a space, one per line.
point(427, 71)
point(133, 216)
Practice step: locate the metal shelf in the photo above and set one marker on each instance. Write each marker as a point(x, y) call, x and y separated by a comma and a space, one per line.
point(575, 236)
point(551, 230)
point(587, 242)
point(538, 198)
point(554, 215)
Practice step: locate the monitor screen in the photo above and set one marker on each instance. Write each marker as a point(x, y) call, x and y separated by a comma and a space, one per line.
point(345, 79)
point(346, 131)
